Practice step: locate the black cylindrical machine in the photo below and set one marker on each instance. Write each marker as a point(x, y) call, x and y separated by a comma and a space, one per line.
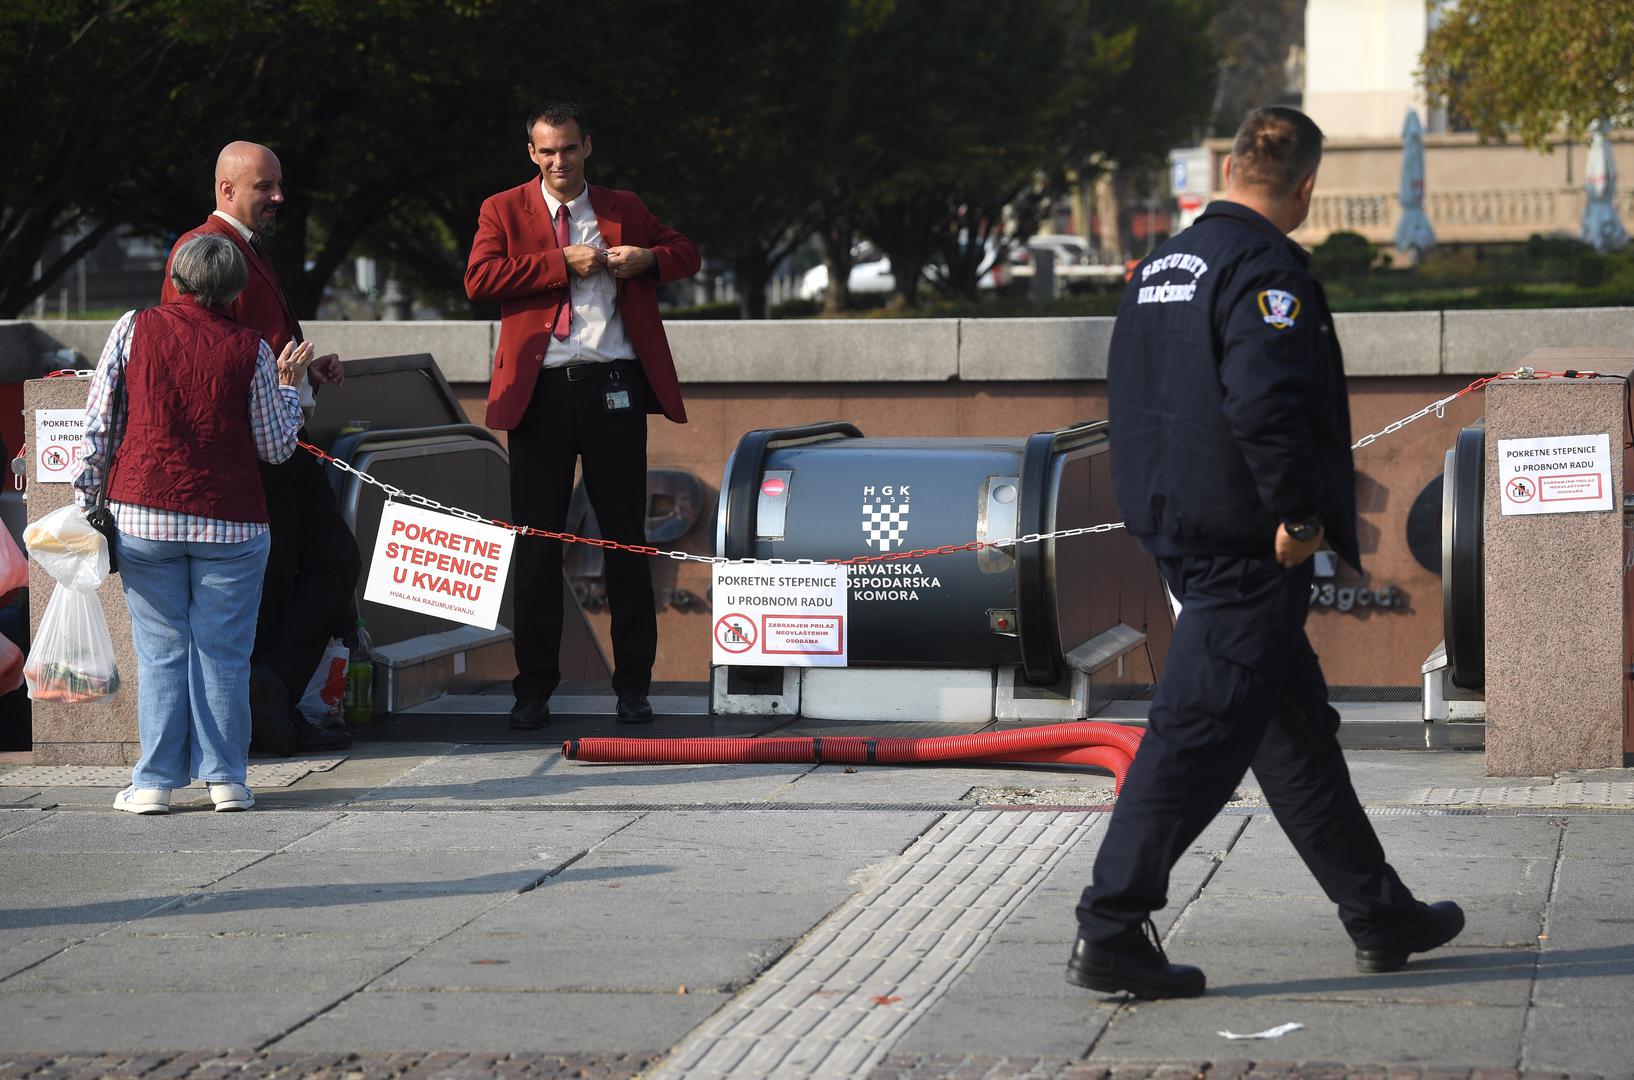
point(1463, 595)
point(827, 492)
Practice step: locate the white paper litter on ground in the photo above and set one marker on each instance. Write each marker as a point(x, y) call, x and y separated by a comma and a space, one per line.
point(1269, 1033)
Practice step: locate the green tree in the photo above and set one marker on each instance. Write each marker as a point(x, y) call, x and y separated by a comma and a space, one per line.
point(84, 94)
point(1533, 68)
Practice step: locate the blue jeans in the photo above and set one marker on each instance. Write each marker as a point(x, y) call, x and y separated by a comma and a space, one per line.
point(192, 612)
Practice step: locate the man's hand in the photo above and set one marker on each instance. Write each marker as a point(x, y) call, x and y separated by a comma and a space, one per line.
point(628, 261)
point(326, 369)
point(585, 260)
point(1291, 552)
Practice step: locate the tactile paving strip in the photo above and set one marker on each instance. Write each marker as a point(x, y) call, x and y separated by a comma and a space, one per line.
point(837, 1002)
point(266, 775)
point(1592, 793)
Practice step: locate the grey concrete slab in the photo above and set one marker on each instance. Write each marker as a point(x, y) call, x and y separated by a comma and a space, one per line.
point(158, 1020)
point(12, 820)
point(20, 954)
point(947, 782)
point(63, 916)
point(1597, 840)
point(727, 871)
point(817, 350)
point(102, 874)
point(521, 1022)
point(1003, 350)
point(1587, 975)
point(167, 835)
point(609, 900)
point(1451, 1036)
point(1323, 968)
point(1578, 1039)
point(535, 776)
point(1390, 343)
point(1484, 342)
point(217, 963)
point(880, 832)
point(1428, 839)
point(653, 958)
point(495, 830)
point(1027, 1026)
point(348, 892)
point(1446, 875)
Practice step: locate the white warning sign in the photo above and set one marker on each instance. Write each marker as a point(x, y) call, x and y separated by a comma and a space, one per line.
point(439, 564)
point(57, 439)
point(1561, 474)
point(771, 615)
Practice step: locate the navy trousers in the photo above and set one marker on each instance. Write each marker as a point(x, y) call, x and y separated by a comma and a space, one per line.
point(1241, 688)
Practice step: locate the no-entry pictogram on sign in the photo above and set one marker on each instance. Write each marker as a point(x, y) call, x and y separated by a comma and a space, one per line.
point(735, 633)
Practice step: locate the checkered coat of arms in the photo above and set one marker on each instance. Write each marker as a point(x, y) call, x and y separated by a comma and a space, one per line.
point(884, 515)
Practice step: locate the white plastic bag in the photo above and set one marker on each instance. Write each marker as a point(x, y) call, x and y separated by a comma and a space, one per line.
point(71, 658)
point(325, 699)
point(69, 548)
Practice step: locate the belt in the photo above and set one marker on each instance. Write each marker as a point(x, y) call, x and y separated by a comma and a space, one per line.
point(571, 373)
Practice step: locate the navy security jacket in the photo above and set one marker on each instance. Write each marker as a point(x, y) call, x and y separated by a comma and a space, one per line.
point(1226, 393)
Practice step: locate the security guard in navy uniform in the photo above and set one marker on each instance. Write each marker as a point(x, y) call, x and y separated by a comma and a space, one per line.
point(1231, 463)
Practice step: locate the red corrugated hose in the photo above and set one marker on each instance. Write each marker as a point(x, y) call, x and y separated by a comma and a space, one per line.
point(1090, 742)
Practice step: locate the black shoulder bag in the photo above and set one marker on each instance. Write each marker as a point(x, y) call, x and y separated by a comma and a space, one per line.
point(99, 516)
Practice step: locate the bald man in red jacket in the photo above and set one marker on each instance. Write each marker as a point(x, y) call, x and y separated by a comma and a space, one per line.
point(582, 360)
point(313, 565)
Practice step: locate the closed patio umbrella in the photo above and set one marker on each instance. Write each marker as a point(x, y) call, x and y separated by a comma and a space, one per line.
point(1413, 232)
point(1601, 227)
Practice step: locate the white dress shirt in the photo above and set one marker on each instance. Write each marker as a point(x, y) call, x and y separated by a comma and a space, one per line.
point(597, 330)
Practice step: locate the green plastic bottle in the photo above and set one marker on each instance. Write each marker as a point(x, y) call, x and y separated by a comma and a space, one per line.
point(360, 678)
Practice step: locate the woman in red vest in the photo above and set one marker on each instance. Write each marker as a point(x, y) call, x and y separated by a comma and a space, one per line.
point(183, 402)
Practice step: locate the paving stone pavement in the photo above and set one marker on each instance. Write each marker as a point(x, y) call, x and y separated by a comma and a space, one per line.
point(453, 910)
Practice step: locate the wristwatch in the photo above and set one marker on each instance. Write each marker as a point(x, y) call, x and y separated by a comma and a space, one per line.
point(1304, 530)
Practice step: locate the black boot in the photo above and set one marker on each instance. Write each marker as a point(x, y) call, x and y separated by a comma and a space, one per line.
point(1134, 963)
point(1434, 926)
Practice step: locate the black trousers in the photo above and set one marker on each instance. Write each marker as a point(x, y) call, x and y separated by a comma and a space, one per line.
point(312, 571)
point(568, 423)
point(1241, 688)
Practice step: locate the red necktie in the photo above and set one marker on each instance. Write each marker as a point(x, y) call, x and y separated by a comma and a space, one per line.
point(564, 313)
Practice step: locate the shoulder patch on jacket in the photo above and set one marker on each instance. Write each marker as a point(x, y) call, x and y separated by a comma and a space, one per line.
point(1279, 307)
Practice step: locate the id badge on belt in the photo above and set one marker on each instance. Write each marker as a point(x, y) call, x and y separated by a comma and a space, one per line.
point(615, 397)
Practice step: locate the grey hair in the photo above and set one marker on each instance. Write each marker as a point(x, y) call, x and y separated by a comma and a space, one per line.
point(210, 269)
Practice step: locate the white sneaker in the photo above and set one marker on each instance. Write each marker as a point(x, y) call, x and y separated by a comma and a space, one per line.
point(231, 796)
point(147, 800)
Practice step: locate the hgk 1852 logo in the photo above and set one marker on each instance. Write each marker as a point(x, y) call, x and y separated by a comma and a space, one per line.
point(884, 515)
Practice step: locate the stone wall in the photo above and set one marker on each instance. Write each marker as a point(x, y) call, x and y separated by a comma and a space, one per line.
point(973, 377)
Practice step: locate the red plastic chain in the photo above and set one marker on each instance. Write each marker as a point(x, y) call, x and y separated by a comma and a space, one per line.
point(917, 553)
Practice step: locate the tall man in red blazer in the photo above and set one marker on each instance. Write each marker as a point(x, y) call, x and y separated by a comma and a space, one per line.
point(582, 360)
point(313, 564)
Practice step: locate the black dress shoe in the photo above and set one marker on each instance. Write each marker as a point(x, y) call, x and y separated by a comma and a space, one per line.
point(1132, 963)
point(1435, 925)
point(529, 715)
point(271, 728)
point(315, 738)
point(634, 709)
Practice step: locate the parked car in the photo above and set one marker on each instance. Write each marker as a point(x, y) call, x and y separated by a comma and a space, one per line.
point(873, 276)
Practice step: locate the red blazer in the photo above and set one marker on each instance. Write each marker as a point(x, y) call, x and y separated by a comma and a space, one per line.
point(515, 260)
point(262, 306)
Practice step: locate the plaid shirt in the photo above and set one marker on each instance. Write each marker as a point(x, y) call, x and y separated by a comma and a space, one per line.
point(275, 421)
